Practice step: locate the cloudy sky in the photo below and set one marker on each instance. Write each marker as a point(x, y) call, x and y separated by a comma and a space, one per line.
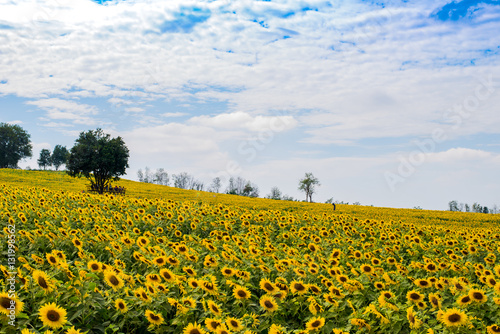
point(390, 104)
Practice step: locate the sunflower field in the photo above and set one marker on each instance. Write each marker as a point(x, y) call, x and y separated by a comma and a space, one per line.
point(195, 263)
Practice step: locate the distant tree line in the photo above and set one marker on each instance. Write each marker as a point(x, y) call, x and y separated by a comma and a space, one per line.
point(476, 207)
point(236, 185)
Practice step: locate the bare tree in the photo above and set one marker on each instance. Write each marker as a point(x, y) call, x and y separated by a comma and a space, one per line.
point(216, 185)
point(275, 193)
point(183, 180)
point(161, 177)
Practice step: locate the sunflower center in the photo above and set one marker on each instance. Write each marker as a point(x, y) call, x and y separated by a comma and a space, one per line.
point(5, 302)
point(94, 266)
point(477, 296)
point(268, 287)
point(234, 323)
point(415, 296)
point(453, 318)
point(315, 324)
point(155, 317)
point(113, 280)
point(387, 295)
point(42, 282)
point(53, 315)
point(268, 304)
point(194, 331)
point(495, 329)
point(121, 306)
point(299, 287)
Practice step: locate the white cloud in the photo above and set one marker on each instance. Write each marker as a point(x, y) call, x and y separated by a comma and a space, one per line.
point(174, 114)
point(243, 120)
point(59, 109)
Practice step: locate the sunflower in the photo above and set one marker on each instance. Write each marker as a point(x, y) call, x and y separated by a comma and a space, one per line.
point(94, 266)
point(121, 305)
point(214, 308)
point(52, 259)
point(493, 329)
point(168, 275)
point(477, 296)
point(453, 317)
point(43, 280)
point(227, 271)
point(268, 303)
point(315, 323)
point(210, 287)
point(193, 329)
point(193, 282)
point(435, 300)
point(6, 304)
point(241, 293)
point(153, 318)
point(52, 315)
point(267, 286)
point(190, 271)
point(222, 329)
point(412, 318)
point(113, 280)
point(379, 285)
point(298, 287)
point(367, 269)
point(73, 330)
point(142, 295)
point(414, 296)
point(153, 279)
point(423, 283)
point(212, 324)
point(188, 302)
point(234, 324)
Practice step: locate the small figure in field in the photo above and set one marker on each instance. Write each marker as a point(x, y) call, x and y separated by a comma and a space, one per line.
point(333, 206)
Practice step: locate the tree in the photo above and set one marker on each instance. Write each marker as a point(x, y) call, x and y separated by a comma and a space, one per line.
point(15, 145)
point(44, 160)
point(161, 177)
point(275, 193)
point(183, 180)
point(453, 205)
point(59, 156)
point(307, 185)
point(98, 157)
point(216, 184)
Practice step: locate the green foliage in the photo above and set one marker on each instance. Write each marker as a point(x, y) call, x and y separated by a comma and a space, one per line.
point(45, 159)
point(99, 158)
point(59, 156)
point(15, 145)
point(307, 185)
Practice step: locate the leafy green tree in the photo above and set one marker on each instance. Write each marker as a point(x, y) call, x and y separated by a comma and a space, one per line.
point(45, 158)
point(59, 156)
point(98, 157)
point(15, 145)
point(308, 184)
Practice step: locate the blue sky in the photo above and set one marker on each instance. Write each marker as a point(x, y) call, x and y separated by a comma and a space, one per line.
point(388, 103)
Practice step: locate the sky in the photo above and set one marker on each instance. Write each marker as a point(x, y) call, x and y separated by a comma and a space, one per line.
point(391, 103)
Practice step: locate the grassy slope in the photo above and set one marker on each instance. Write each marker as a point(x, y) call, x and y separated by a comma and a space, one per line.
point(60, 181)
